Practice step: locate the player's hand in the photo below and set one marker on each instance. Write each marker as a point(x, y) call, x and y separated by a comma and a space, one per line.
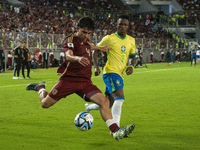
point(83, 61)
point(129, 70)
point(105, 48)
point(97, 71)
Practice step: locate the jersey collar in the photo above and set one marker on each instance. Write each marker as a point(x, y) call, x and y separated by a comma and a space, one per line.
point(119, 36)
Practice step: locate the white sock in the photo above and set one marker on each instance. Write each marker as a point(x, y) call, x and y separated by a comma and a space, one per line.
point(93, 107)
point(116, 110)
point(40, 91)
point(109, 122)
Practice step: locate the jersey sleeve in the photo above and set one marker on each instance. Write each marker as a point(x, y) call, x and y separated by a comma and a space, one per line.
point(132, 51)
point(104, 41)
point(68, 44)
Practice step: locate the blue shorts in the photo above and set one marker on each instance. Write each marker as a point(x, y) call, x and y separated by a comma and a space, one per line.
point(113, 82)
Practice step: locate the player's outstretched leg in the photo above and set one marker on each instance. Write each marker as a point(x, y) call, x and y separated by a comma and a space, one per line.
point(123, 132)
point(35, 86)
point(45, 100)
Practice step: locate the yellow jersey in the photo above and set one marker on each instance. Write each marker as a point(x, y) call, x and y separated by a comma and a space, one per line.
point(120, 49)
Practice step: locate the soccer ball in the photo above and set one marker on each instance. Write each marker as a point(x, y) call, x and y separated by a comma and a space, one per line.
point(84, 121)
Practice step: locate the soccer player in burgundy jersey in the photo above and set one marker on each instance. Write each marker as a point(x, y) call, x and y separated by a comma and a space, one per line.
point(76, 77)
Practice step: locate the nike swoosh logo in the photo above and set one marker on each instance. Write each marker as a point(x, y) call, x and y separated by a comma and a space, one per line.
point(114, 42)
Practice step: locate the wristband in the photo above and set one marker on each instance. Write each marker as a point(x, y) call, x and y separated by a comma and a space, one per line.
point(132, 65)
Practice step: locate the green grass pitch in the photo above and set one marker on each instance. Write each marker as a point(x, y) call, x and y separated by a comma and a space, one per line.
point(162, 101)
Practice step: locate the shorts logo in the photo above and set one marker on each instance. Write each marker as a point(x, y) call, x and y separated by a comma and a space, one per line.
point(55, 91)
point(118, 82)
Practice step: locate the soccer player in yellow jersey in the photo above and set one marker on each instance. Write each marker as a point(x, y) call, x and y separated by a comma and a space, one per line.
point(121, 47)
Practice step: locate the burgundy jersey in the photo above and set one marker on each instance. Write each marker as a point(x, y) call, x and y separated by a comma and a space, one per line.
point(79, 48)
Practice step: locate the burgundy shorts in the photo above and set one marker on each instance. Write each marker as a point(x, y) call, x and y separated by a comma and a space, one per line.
point(69, 85)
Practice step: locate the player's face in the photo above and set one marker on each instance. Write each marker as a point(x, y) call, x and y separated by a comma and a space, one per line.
point(84, 33)
point(24, 45)
point(122, 26)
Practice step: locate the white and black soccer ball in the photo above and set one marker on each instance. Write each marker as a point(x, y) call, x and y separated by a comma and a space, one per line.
point(84, 121)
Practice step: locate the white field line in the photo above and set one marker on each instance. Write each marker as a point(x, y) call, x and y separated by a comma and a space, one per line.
point(22, 84)
point(1, 74)
point(161, 70)
point(50, 81)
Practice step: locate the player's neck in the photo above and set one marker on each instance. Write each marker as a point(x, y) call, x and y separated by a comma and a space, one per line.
point(121, 35)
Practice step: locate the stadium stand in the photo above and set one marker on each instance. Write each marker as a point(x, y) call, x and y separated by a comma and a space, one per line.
point(44, 24)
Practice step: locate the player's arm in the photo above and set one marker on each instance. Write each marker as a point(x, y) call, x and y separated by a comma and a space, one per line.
point(12, 52)
point(97, 71)
point(23, 57)
point(129, 70)
point(103, 48)
point(29, 56)
point(71, 58)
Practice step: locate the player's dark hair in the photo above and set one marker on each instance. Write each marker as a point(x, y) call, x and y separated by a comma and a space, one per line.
point(86, 22)
point(124, 17)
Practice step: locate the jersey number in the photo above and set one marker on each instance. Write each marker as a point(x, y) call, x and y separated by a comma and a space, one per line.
point(123, 57)
point(88, 51)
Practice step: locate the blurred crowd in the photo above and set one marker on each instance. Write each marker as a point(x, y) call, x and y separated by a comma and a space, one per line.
point(44, 24)
point(189, 4)
point(53, 16)
point(60, 16)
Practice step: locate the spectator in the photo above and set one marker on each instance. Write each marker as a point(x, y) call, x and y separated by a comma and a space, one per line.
point(151, 56)
point(193, 55)
point(162, 55)
point(40, 60)
point(2, 59)
point(171, 55)
point(62, 56)
point(45, 59)
point(10, 60)
point(18, 60)
point(34, 63)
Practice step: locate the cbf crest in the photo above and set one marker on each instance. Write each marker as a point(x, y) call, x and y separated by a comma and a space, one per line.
point(118, 83)
point(123, 48)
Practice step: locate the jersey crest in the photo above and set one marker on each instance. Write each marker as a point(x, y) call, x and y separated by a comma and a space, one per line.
point(55, 91)
point(123, 48)
point(70, 44)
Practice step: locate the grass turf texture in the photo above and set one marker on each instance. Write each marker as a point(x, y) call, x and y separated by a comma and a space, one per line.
point(162, 101)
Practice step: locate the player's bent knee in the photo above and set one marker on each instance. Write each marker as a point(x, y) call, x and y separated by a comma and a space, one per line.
point(47, 102)
point(45, 106)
